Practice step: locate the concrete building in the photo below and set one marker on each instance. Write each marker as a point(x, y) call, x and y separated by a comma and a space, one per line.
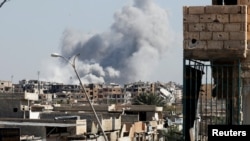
point(70, 122)
point(6, 87)
point(60, 111)
point(113, 94)
point(216, 51)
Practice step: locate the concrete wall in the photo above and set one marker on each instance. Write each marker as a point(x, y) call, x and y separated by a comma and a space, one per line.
point(10, 108)
point(37, 131)
point(215, 32)
point(243, 2)
point(129, 118)
point(221, 32)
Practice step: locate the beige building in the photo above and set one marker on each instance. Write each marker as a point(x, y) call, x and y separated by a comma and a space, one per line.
point(6, 87)
point(100, 94)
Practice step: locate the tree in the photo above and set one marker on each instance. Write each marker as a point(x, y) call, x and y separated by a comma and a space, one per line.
point(149, 99)
point(3, 2)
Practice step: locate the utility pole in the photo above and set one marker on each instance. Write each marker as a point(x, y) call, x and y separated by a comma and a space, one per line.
point(38, 83)
point(84, 90)
point(2, 3)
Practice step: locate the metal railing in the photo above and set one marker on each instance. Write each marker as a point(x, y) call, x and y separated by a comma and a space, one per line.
point(211, 96)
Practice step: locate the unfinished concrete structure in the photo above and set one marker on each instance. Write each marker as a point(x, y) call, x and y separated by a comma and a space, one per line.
point(6, 87)
point(76, 121)
point(216, 42)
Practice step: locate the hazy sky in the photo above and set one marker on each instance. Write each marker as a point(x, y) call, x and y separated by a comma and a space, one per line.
point(119, 41)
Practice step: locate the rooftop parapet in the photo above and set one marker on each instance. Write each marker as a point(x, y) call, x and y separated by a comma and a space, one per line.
point(243, 2)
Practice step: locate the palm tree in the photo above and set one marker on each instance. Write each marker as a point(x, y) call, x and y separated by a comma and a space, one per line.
point(149, 99)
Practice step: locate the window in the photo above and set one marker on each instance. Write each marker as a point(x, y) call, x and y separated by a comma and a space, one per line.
point(224, 2)
point(15, 110)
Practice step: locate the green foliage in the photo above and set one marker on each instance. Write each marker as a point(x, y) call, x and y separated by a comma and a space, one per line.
point(149, 99)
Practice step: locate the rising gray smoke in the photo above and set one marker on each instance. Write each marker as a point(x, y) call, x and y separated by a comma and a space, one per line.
point(128, 52)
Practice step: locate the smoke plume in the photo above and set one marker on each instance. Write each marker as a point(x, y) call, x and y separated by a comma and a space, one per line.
point(128, 52)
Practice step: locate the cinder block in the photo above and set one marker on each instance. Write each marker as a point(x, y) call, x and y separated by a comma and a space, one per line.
point(248, 36)
point(222, 28)
point(243, 2)
point(185, 10)
point(206, 35)
point(196, 27)
point(205, 18)
point(215, 9)
point(195, 44)
point(237, 18)
point(196, 10)
point(233, 27)
point(248, 18)
point(222, 18)
point(191, 18)
point(221, 9)
point(214, 44)
point(238, 35)
point(244, 9)
point(236, 9)
point(215, 27)
point(220, 36)
point(185, 27)
point(191, 35)
point(236, 45)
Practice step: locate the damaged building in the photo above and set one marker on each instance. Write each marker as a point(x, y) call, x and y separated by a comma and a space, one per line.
point(216, 66)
